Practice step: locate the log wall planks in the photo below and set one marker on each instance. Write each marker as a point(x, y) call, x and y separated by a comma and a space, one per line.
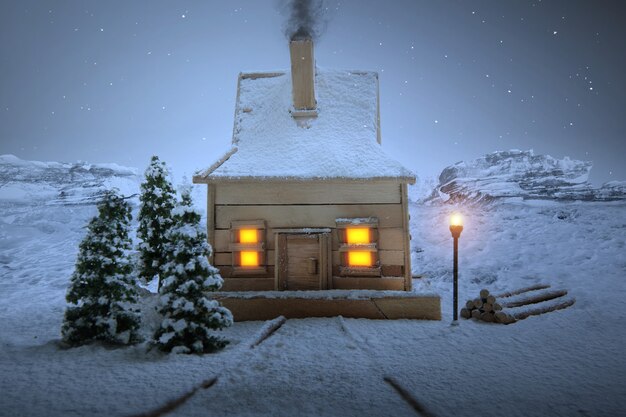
point(314, 193)
point(388, 239)
point(387, 257)
point(295, 216)
point(289, 205)
point(210, 218)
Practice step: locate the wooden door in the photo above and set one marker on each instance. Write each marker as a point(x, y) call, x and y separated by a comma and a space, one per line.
point(302, 261)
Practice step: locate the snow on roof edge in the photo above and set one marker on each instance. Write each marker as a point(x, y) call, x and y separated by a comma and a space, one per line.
point(240, 168)
point(213, 179)
point(205, 174)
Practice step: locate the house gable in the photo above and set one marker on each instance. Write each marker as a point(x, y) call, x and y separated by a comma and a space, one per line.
point(342, 141)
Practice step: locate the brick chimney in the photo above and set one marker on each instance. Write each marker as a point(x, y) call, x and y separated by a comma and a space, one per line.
point(302, 74)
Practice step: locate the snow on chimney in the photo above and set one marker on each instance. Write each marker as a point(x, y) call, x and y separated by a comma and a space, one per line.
point(302, 74)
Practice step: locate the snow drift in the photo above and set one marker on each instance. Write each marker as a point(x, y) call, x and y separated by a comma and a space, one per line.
point(560, 364)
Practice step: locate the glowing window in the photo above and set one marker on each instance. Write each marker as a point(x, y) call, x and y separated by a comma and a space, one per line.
point(248, 236)
point(247, 247)
point(358, 235)
point(249, 258)
point(359, 258)
point(358, 247)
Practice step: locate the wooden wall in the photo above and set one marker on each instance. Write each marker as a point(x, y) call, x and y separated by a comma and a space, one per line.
point(317, 205)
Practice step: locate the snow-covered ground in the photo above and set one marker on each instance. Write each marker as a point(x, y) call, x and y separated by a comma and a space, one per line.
point(565, 363)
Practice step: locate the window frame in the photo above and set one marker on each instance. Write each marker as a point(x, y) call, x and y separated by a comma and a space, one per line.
point(370, 223)
point(237, 247)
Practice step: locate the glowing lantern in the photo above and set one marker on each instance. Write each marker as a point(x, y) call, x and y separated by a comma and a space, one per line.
point(456, 220)
point(248, 236)
point(358, 235)
point(249, 258)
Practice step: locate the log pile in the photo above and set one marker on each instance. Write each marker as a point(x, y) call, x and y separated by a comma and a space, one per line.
point(509, 307)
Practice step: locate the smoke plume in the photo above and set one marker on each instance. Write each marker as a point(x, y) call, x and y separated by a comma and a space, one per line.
point(305, 18)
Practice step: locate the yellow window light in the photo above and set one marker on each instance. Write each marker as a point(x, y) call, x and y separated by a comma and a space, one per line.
point(359, 258)
point(248, 236)
point(249, 258)
point(360, 235)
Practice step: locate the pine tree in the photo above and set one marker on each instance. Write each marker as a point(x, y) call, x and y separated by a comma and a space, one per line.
point(102, 290)
point(188, 316)
point(155, 218)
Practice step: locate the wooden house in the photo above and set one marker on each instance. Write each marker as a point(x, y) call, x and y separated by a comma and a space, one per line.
point(306, 199)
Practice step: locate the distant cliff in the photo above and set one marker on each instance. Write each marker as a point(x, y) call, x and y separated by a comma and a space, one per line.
point(522, 174)
point(26, 182)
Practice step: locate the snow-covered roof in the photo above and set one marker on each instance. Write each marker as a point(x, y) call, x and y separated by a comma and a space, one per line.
point(340, 143)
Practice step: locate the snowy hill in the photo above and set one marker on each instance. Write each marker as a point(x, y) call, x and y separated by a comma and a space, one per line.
point(522, 174)
point(559, 364)
point(31, 182)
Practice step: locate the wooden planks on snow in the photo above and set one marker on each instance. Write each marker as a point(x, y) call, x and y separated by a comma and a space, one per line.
point(511, 306)
point(522, 290)
point(513, 315)
point(262, 335)
point(534, 298)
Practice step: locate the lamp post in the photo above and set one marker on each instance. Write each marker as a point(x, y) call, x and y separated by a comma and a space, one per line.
point(456, 227)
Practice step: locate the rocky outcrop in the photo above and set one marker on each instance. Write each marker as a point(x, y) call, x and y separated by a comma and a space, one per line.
point(522, 174)
point(25, 182)
point(613, 190)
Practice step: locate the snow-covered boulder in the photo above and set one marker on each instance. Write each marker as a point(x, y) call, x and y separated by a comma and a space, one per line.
point(28, 182)
point(612, 190)
point(517, 173)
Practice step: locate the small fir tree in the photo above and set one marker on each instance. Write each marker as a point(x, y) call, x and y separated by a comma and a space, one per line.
point(189, 317)
point(155, 218)
point(102, 292)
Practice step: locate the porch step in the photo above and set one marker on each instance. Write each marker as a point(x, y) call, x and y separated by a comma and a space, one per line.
point(368, 304)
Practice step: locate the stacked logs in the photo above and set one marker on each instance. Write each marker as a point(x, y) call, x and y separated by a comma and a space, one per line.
point(482, 308)
point(505, 308)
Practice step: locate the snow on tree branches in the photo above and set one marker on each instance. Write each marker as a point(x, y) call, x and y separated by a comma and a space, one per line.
point(155, 218)
point(189, 317)
point(102, 292)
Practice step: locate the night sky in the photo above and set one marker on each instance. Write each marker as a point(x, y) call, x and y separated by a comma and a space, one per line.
point(118, 81)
